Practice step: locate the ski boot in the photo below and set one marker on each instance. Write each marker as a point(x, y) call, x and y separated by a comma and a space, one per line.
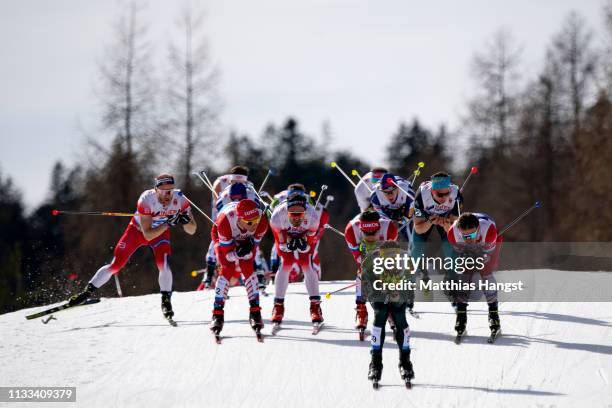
point(494, 323)
point(217, 321)
point(461, 321)
point(361, 316)
point(83, 296)
point(316, 314)
point(405, 368)
point(255, 316)
point(166, 305)
point(376, 366)
point(278, 311)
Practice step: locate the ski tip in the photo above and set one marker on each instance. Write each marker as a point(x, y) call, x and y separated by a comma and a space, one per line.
point(375, 385)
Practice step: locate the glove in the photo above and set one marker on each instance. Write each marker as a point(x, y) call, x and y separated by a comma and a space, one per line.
point(245, 257)
point(173, 220)
point(284, 248)
point(231, 256)
point(292, 244)
point(244, 247)
point(302, 245)
point(183, 218)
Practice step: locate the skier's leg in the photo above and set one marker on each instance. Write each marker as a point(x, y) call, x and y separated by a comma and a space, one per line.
point(311, 279)
point(381, 310)
point(398, 311)
point(211, 264)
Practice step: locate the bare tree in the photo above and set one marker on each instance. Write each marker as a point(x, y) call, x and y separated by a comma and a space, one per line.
point(191, 93)
point(493, 110)
point(126, 87)
point(572, 51)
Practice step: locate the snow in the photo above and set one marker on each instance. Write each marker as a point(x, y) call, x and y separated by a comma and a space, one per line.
point(122, 353)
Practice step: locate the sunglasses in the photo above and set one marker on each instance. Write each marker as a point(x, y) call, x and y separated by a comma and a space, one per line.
point(164, 192)
point(295, 214)
point(439, 194)
point(251, 222)
point(471, 235)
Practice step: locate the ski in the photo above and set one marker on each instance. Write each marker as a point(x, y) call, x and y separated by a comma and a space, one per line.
point(171, 321)
point(494, 335)
point(316, 328)
point(276, 327)
point(60, 308)
point(414, 314)
point(460, 336)
point(375, 384)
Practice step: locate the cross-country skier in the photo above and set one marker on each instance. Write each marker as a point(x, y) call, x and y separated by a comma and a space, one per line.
point(365, 231)
point(238, 176)
point(158, 209)
point(237, 233)
point(436, 207)
point(394, 305)
point(365, 186)
point(475, 235)
point(394, 202)
point(279, 198)
point(295, 224)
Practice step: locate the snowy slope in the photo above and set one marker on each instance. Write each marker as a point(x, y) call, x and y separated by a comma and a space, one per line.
point(121, 353)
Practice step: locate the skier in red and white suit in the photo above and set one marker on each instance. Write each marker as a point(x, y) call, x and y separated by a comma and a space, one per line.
point(475, 235)
point(157, 210)
point(237, 232)
point(295, 225)
point(367, 228)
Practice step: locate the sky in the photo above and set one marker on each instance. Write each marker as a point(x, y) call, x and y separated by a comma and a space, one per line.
point(364, 66)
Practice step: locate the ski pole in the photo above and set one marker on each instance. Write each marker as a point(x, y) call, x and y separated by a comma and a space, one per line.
point(263, 183)
point(117, 285)
point(323, 188)
point(328, 294)
point(537, 204)
point(206, 181)
point(337, 231)
point(397, 185)
point(108, 214)
point(335, 165)
point(356, 173)
point(417, 172)
point(473, 170)
point(196, 207)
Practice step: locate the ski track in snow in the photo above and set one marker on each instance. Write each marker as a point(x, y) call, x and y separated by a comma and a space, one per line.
point(122, 353)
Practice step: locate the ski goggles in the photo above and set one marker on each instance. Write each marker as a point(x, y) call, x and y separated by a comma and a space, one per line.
point(471, 235)
point(296, 214)
point(442, 194)
point(252, 221)
point(165, 192)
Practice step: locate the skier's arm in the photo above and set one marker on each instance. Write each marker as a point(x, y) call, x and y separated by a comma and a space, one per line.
point(351, 242)
point(422, 223)
point(146, 225)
